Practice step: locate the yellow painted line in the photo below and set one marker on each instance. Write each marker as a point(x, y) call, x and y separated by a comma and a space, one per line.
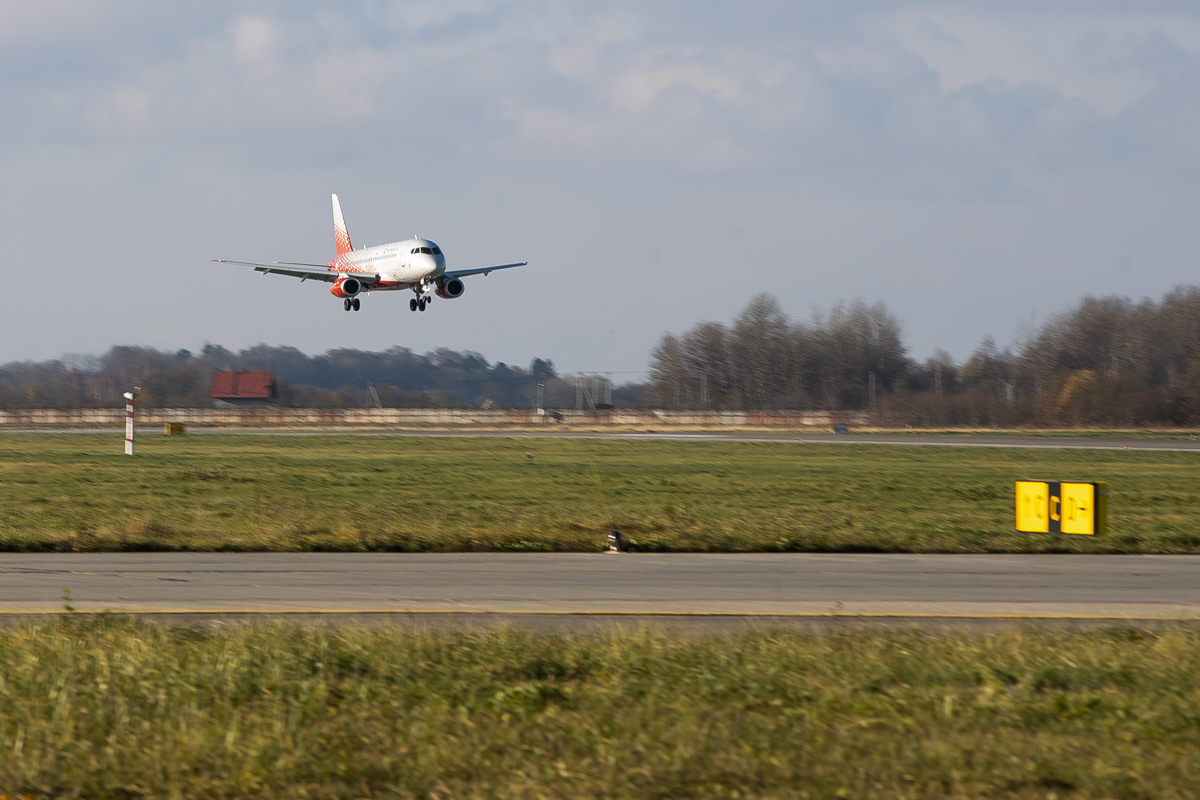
point(560, 613)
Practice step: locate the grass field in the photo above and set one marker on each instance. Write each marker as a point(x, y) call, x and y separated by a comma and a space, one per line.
point(78, 492)
point(115, 709)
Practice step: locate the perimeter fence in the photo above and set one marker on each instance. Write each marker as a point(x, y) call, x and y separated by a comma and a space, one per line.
point(423, 417)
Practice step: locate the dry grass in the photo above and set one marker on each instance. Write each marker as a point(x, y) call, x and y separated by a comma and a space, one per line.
point(112, 708)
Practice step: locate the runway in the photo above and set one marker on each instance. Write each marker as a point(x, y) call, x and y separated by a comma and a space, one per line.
point(794, 436)
point(865, 586)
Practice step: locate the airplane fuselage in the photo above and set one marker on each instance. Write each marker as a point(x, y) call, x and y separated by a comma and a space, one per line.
point(417, 264)
point(400, 265)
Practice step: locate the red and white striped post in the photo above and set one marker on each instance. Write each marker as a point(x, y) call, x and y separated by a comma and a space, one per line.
point(129, 420)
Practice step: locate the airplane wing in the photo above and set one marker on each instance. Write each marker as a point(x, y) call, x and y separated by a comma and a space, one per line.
point(304, 272)
point(462, 273)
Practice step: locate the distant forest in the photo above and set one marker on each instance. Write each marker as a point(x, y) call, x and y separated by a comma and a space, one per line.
point(337, 379)
point(1109, 361)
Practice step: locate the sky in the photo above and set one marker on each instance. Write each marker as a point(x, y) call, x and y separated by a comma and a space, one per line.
point(976, 166)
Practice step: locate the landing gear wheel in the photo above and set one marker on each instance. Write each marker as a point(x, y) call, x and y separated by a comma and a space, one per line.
point(345, 305)
point(356, 303)
point(412, 304)
point(421, 304)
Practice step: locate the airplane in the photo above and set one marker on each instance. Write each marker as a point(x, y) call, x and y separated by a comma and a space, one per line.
point(417, 264)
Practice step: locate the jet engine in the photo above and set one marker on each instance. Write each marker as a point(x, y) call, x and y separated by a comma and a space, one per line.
point(346, 287)
point(449, 288)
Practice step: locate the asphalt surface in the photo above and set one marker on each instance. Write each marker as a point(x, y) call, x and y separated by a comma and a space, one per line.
point(1082, 586)
point(914, 439)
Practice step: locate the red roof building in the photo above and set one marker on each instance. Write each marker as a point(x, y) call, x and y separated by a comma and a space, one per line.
point(235, 386)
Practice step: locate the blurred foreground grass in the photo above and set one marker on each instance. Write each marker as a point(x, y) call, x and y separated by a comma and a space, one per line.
point(106, 707)
point(78, 492)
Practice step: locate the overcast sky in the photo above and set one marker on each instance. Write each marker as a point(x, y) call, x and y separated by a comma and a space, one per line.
point(976, 166)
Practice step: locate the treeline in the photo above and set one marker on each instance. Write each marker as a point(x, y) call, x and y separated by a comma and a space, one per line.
point(766, 361)
point(1110, 361)
point(399, 377)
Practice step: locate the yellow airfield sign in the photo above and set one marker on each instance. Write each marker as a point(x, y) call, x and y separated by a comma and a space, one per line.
point(1061, 507)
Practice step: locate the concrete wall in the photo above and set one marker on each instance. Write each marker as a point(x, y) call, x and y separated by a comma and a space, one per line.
point(422, 417)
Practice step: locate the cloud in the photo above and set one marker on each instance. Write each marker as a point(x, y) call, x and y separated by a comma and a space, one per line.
point(48, 20)
point(919, 90)
point(255, 39)
point(847, 141)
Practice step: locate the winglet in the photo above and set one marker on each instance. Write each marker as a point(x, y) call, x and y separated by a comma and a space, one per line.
point(340, 236)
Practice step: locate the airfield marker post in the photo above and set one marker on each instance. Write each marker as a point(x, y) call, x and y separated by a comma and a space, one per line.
point(129, 429)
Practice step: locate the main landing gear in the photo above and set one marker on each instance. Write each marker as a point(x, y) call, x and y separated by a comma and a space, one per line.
point(418, 304)
point(351, 304)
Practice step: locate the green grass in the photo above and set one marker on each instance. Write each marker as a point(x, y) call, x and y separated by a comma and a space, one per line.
point(116, 709)
point(78, 492)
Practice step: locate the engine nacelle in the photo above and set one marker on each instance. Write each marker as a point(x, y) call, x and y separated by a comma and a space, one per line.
point(449, 288)
point(346, 287)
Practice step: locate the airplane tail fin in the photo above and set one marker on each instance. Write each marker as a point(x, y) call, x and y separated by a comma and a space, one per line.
point(340, 236)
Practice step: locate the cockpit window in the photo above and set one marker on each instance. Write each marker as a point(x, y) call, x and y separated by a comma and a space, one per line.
point(437, 251)
point(426, 251)
point(415, 250)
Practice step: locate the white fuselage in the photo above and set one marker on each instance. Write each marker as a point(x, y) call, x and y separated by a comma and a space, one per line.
point(400, 265)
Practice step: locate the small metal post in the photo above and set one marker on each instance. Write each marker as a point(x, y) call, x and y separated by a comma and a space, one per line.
point(129, 430)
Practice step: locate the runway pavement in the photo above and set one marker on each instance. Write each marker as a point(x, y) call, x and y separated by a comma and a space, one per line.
point(776, 585)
